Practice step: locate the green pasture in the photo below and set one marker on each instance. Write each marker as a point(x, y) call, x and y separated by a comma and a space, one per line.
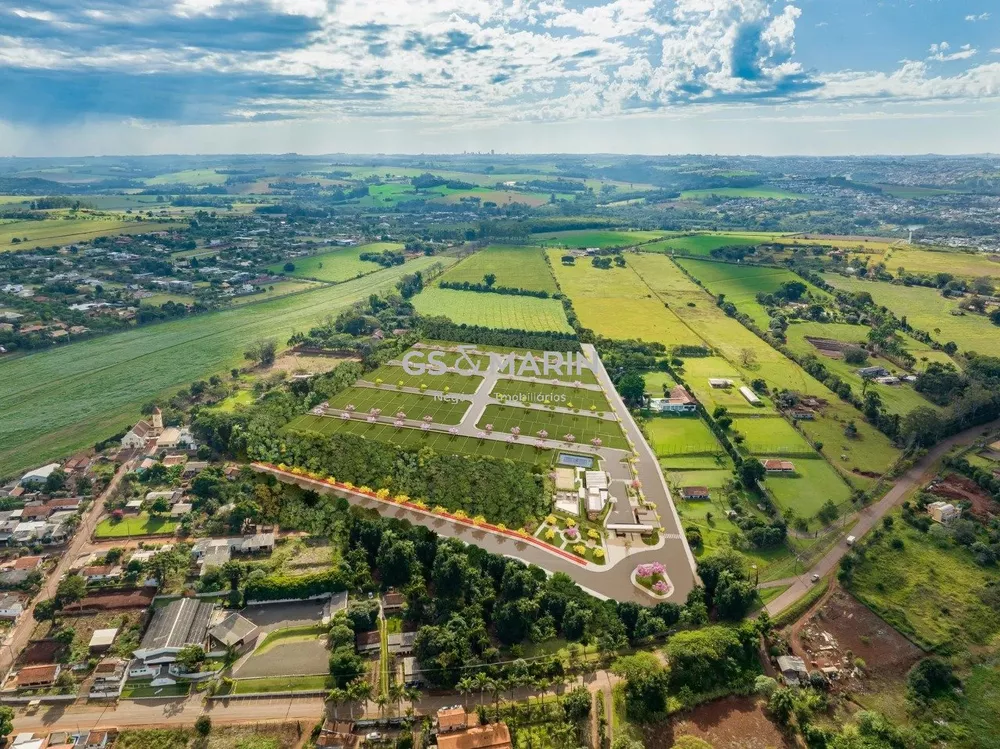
point(929, 262)
point(518, 267)
point(391, 402)
point(539, 393)
point(142, 524)
point(703, 243)
point(657, 381)
point(531, 421)
point(337, 265)
point(274, 290)
point(680, 435)
point(99, 392)
point(719, 461)
point(66, 228)
point(584, 238)
point(494, 310)
point(813, 483)
point(772, 436)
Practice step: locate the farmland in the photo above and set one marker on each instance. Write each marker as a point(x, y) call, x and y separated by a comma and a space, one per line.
point(583, 238)
point(337, 265)
point(703, 244)
point(925, 309)
point(930, 262)
point(64, 229)
point(617, 304)
point(98, 393)
point(518, 267)
point(494, 310)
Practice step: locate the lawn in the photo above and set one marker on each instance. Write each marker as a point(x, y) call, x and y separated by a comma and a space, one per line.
point(239, 399)
point(956, 262)
point(392, 402)
point(391, 374)
point(99, 393)
point(583, 238)
point(925, 309)
point(255, 736)
point(815, 481)
point(518, 267)
point(143, 689)
point(65, 228)
point(289, 635)
point(680, 435)
point(140, 525)
point(414, 439)
point(494, 310)
point(590, 401)
point(616, 303)
point(657, 383)
point(283, 684)
point(769, 193)
point(926, 591)
point(772, 436)
point(531, 421)
point(162, 298)
point(337, 265)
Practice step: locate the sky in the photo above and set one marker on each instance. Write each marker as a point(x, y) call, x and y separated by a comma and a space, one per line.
point(819, 77)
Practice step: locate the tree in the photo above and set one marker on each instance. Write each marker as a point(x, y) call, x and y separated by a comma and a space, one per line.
point(748, 357)
point(55, 481)
point(262, 353)
point(6, 721)
point(203, 726)
point(576, 704)
point(632, 388)
point(930, 678)
point(345, 665)
point(765, 686)
point(922, 426)
point(45, 610)
point(489, 279)
point(855, 355)
point(781, 705)
point(71, 589)
point(750, 472)
point(160, 505)
point(289, 267)
point(191, 657)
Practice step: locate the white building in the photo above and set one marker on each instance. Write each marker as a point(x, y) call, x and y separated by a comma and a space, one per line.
point(39, 475)
point(11, 606)
point(943, 512)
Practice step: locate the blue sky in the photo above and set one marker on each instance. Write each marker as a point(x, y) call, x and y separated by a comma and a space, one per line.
point(655, 76)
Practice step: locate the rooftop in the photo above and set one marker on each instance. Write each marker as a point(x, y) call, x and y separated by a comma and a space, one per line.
point(182, 622)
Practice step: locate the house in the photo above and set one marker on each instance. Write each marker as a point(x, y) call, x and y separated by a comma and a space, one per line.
point(750, 396)
point(99, 738)
point(452, 719)
point(793, 670)
point(17, 572)
point(101, 572)
point(595, 479)
point(193, 468)
point(36, 512)
point(174, 437)
point(719, 382)
point(802, 414)
point(596, 500)
point(872, 372)
point(102, 640)
point(177, 625)
point(256, 544)
point(133, 507)
point(393, 603)
point(336, 735)
point(234, 631)
point(169, 461)
point(138, 436)
point(180, 509)
point(679, 401)
point(695, 492)
point(38, 476)
point(401, 643)
point(173, 496)
point(887, 380)
point(490, 736)
point(31, 677)
point(64, 503)
point(943, 512)
point(11, 606)
point(779, 466)
point(368, 642)
point(27, 532)
point(109, 678)
point(211, 552)
point(413, 674)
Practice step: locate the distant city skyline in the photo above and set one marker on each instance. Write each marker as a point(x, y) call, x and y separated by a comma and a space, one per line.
point(803, 77)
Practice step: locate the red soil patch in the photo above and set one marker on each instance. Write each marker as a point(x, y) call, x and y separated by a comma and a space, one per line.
point(961, 488)
point(730, 723)
point(112, 599)
point(40, 651)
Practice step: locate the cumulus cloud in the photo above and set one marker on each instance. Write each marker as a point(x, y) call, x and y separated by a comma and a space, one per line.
point(940, 52)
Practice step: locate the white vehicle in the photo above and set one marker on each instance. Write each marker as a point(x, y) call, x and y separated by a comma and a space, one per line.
point(815, 578)
point(851, 540)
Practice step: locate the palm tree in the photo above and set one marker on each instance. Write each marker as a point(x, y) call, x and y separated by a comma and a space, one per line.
point(411, 695)
point(396, 694)
point(382, 700)
point(464, 687)
point(360, 691)
point(338, 697)
point(482, 682)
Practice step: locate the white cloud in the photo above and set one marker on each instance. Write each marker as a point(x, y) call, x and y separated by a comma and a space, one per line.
point(940, 53)
point(977, 19)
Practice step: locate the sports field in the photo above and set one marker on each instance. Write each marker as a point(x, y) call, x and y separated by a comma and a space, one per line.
point(617, 304)
point(813, 484)
point(494, 310)
point(584, 399)
point(518, 267)
point(772, 436)
point(680, 435)
point(522, 451)
point(925, 309)
point(336, 265)
point(558, 425)
point(393, 403)
point(65, 229)
point(582, 238)
point(768, 193)
point(102, 382)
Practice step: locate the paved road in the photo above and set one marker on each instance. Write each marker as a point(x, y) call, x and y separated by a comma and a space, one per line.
point(869, 516)
point(21, 633)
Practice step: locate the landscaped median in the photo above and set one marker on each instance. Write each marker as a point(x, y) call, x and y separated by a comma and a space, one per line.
point(383, 495)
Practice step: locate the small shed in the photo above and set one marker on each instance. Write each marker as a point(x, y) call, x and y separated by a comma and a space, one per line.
point(102, 640)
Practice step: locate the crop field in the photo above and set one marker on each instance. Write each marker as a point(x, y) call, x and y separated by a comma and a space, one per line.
point(927, 310)
point(494, 310)
point(336, 265)
point(413, 439)
point(584, 399)
point(926, 591)
point(13, 199)
point(900, 399)
point(518, 267)
point(189, 177)
point(447, 382)
point(617, 304)
point(500, 197)
point(63, 229)
point(814, 483)
point(769, 193)
point(531, 421)
point(392, 402)
point(772, 436)
point(99, 392)
point(965, 264)
point(273, 291)
point(680, 435)
point(583, 238)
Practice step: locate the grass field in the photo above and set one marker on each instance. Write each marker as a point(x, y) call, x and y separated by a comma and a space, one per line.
point(100, 392)
point(392, 402)
point(454, 383)
point(414, 439)
point(239, 399)
point(337, 265)
point(159, 299)
point(518, 267)
point(283, 684)
point(681, 435)
point(531, 421)
point(140, 525)
point(657, 381)
point(772, 436)
point(189, 177)
point(770, 193)
point(617, 304)
point(927, 592)
point(965, 264)
point(494, 310)
point(581, 238)
point(63, 229)
point(590, 401)
point(703, 244)
point(925, 309)
point(272, 291)
point(814, 483)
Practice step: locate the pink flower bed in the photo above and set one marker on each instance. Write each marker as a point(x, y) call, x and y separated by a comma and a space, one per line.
point(653, 577)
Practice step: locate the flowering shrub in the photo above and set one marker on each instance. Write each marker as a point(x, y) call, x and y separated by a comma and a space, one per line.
point(580, 549)
point(599, 553)
point(549, 534)
point(572, 533)
point(570, 522)
point(661, 588)
point(650, 569)
point(593, 534)
point(550, 519)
